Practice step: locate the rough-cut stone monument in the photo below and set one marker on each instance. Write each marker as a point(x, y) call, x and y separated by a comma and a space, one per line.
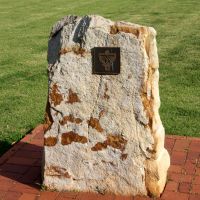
point(104, 132)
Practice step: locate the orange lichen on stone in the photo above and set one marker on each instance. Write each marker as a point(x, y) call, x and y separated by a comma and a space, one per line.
point(94, 123)
point(73, 97)
point(48, 118)
point(55, 96)
point(76, 49)
point(50, 141)
point(79, 50)
point(115, 141)
point(124, 156)
point(71, 119)
point(69, 137)
point(64, 51)
point(114, 29)
point(66, 175)
point(57, 171)
point(99, 146)
point(106, 96)
point(102, 112)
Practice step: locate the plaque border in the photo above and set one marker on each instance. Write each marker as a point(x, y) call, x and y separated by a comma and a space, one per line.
point(105, 73)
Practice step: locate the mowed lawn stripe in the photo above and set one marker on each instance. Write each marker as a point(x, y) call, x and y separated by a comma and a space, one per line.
point(24, 30)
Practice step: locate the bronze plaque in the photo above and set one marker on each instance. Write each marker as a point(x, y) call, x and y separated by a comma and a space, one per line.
point(106, 60)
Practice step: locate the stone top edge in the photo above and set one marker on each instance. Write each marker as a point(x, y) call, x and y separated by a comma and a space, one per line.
point(71, 19)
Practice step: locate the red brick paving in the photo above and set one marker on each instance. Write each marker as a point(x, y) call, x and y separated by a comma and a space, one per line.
point(184, 187)
point(20, 169)
point(48, 195)
point(27, 196)
point(194, 197)
point(172, 186)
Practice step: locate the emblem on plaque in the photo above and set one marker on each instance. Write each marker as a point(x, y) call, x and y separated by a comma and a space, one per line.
point(106, 60)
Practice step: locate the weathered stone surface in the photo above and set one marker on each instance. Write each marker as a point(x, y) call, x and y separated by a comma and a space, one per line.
point(104, 132)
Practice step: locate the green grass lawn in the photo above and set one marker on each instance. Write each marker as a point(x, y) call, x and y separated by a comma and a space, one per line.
point(24, 30)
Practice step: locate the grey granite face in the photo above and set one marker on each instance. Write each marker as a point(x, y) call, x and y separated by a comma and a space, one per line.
point(104, 131)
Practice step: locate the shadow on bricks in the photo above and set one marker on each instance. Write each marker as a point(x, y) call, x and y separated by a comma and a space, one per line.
point(21, 165)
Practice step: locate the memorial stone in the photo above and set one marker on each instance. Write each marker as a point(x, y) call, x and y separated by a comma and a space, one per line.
point(103, 129)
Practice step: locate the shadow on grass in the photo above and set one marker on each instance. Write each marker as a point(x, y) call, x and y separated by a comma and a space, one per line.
point(4, 146)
